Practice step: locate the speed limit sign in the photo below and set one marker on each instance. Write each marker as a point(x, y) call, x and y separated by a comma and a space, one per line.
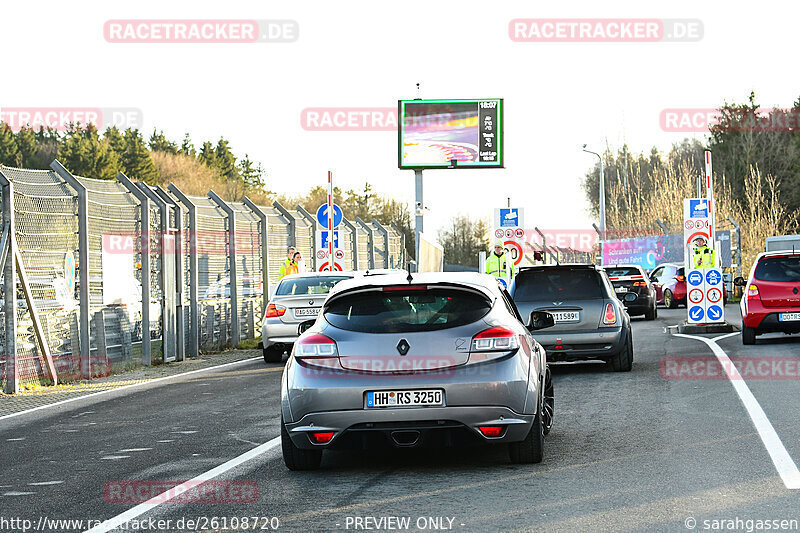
point(515, 250)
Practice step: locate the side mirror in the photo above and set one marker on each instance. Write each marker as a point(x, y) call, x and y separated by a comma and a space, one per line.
point(739, 281)
point(541, 320)
point(303, 326)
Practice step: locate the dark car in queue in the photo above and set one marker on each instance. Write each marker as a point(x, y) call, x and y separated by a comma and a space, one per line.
point(433, 359)
point(590, 321)
point(771, 300)
point(633, 288)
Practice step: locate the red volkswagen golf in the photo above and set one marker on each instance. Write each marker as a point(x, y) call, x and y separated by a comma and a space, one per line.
point(771, 300)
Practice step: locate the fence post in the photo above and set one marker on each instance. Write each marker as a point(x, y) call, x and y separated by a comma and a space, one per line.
point(306, 215)
point(144, 247)
point(180, 325)
point(402, 237)
point(370, 241)
point(290, 221)
point(235, 326)
point(9, 289)
point(264, 248)
point(83, 261)
point(194, 299)
point(385, 232)
point(354, 241)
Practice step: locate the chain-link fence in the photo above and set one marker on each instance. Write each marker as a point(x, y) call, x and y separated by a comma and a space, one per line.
point(121, 274)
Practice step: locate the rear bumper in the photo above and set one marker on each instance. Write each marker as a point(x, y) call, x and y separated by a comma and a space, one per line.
point(276, 332)
point(598, 344)
point(641, 305)
point(765, 319)
point(425, 426)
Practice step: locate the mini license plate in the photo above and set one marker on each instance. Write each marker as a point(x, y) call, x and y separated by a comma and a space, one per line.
point(788, 317)
point(307, 311)
point(405, 398)
point(620, 289)
point(567, 316)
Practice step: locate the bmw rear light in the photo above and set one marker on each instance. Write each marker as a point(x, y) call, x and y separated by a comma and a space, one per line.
point(752, 291)
point(492, 343)
point(317, 350)
point(610, 315)
point(491, 431)
point(274, 311)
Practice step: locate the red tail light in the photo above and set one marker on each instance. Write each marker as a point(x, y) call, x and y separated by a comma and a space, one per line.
point(639, 284)
point(491, 431)
point(322, 437)
point(275, 311)
point(317, 350)
point(681, 278)
point(610, 316)
point(404, 288)
point(752, 291)
point(492, 343)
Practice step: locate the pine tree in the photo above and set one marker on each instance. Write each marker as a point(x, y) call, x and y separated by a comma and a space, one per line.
point(187, 148)
point(26, 141)
point(226, 161)
point(137, 162)
point(115, 140)
point(159, 143)
point(207, 155)
point(9, 151)
point(84, 153)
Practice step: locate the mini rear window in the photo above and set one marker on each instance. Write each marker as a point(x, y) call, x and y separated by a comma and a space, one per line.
point(779, 269)
point(557, 284)
point(406, 311)
point(309, 285)
point(620, 272)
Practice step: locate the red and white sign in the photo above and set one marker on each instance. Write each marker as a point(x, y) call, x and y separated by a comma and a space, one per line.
point(696, 296)
point(714, 295)
point(324, 266)
point(515, 249)
point(499, 233)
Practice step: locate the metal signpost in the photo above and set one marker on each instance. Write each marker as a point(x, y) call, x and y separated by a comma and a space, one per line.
point(329, 254)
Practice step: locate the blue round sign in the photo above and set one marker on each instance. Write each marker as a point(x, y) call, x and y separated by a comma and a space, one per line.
point(695, 278)
point(713, 277)
point(504, 282)
point(696, 313)
point(322, 215)
point(714, 312)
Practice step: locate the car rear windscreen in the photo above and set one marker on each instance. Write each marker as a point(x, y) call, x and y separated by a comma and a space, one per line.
point(406, 311)
point(310, 285)
point(557, 284)
point(621, 272)
point(779, 269)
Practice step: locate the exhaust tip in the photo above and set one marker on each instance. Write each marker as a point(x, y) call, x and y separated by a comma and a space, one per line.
point(405, 438)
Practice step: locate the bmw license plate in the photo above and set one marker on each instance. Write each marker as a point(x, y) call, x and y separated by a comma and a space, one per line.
point(307, 311)
point(405, 398)
point(567, 316)
point(788, 317)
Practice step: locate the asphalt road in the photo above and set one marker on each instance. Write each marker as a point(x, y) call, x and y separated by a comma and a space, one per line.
point(639, 451)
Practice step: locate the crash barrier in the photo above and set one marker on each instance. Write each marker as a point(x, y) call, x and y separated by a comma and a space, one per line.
point(104, 275)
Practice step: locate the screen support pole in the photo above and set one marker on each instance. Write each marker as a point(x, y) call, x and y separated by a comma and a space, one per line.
point(419, 212)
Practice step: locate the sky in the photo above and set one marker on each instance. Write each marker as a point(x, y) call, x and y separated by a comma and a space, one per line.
point(557, 95)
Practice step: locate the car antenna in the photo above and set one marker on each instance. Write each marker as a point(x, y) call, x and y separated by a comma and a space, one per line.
point(408, 267)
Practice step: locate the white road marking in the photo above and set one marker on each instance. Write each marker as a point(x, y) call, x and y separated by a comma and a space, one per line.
point(17, 493)
point(114, 457)
point(124, 387)
point(16, 439)
point(128, 450)
point(165, 496)
point(81, 414)
point(783, 462)
point(43, 483)
point(166, 440)
point(187, 432)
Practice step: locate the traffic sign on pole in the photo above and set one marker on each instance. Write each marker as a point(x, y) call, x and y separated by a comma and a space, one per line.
point(322, 216)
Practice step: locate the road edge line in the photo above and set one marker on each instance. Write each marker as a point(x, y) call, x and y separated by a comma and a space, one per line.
point(169, 494)
point(781, 459)
point(132, 385)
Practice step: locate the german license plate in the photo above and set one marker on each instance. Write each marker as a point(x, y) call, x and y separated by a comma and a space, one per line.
point(620, 289)
point(405, 398)
point(307, 311)
point(567, 316)
point(788, 317)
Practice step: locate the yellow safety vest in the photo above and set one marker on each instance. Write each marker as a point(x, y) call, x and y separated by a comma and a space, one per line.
point(703, 257)
point(288, 267)
point(496, 265)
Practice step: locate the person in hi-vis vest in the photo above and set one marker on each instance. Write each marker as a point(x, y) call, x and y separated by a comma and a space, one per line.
point(703, 256)
point(496, 262)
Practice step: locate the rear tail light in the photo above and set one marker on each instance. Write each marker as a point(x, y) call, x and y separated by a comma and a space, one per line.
point(639, 284)
point(752, 291)
point(321, 437)
point(491, 431)
point(275, 311)
point(492, 343)
point(681, 278)
point(405, 288)
point(317, 350)
point(610, 315)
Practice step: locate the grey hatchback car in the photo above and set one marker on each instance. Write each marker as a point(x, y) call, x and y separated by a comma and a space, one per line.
point(433, 359)
point(590, 322)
